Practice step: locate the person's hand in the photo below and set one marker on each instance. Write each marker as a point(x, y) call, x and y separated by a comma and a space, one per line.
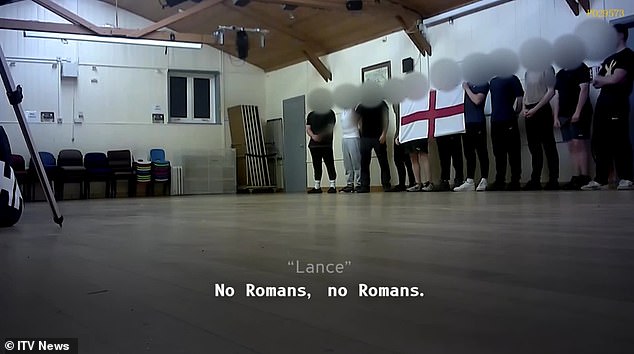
point(397, 141)
point(465, 85)
point(575, 117)
point(556, 123)
point(317, 138)
point(529, 113)
point(598, 82)
point(524, 112)
point(382, 138)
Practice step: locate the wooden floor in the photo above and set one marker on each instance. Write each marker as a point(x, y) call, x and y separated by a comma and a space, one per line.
point(506, 272)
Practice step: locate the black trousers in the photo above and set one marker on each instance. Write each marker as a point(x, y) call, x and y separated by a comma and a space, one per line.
point(450, 149)
point(403, 165)
point(611, 143)
point(474, 141)
point(367, 145)
point(505, 137)
point(324, 153)
point(541, 138)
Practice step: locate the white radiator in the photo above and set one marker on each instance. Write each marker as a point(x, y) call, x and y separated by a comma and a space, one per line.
point(177, 180)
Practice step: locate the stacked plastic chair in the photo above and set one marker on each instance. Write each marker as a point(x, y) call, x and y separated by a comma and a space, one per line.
point(143, 173)
point(161, 170)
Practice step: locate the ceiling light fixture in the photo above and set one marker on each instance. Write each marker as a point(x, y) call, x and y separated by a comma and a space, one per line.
point(115, 40)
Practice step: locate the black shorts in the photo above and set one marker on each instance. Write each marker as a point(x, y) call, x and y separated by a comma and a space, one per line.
point(579, 130)
point(418, 145)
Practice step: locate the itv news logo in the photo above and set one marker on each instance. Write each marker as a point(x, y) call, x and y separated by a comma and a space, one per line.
point(40, 345)
point(606, 13)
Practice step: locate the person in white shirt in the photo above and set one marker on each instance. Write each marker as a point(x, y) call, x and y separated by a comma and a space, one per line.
point(351, 151)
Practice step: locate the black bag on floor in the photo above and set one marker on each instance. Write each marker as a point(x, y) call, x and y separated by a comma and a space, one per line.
point(11, 203)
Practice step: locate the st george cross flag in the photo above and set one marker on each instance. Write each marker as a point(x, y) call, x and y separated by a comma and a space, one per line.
point(438, 114)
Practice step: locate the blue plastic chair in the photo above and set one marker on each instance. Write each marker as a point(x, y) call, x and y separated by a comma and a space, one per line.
point(157, 155)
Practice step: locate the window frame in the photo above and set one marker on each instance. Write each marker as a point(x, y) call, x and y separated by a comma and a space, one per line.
point(214, 99)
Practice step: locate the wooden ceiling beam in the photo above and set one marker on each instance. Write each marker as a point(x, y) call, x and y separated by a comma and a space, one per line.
point(585, 4)
point(415, 36)
point(177, 17)
point(24, 25)
point(319, 65)
point(574, 6)
point(68, 15)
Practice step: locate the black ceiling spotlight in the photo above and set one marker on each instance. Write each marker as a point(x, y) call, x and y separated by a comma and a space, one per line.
point(242, 38)
point(354, 5)
point(287, 7)
point(242, 44)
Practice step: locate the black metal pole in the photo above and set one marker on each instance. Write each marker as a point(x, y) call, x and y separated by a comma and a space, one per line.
point(15, 98)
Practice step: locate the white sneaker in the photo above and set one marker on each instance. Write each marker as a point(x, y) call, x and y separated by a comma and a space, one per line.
point(625, 185)
point(428, 187)
point(593, 186)
point(482, 186)
point(468, 185)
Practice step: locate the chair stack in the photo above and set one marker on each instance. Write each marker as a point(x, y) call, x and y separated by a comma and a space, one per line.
point(161, 171)
point(143, 172)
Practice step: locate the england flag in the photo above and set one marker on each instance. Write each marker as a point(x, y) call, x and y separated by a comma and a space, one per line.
point(438, 114)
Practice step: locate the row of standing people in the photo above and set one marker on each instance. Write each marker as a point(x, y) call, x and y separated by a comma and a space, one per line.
point(548, 100)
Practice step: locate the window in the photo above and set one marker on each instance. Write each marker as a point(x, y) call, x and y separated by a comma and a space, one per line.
point(193, 97)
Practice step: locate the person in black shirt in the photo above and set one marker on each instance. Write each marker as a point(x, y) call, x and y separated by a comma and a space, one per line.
point(611, 141)
point(572, 111)
point(506, 102)
point(374, 124)
point(11, 202)
point(475, 138)
point(450, 150)
point(401, 160)
point(319, 128)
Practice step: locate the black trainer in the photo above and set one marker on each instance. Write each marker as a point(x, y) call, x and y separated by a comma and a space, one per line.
point(397, 188)
point(532, 186)
point(551, 186)
point(497, 186)
point(347, 189)
point(315, 191)
point(363, 190)
point(573, 184)
point(443, 186)
point(514, 186)
point(332, 190)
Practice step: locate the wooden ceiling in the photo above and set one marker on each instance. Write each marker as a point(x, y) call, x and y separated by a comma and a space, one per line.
point(313, 28)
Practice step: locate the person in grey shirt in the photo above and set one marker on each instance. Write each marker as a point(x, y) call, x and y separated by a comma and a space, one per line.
point(539, 119)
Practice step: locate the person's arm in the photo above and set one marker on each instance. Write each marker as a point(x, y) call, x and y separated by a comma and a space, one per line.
point(398, 125)
point(476, 98)
point(519, 104)
point(544, 101)
point(555, 104)
point(583, 97)
point(618, 77)
point(385, 123)
point(310, 133)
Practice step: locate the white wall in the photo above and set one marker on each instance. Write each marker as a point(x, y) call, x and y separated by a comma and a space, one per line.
point(130, 82)
point(507, 25)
